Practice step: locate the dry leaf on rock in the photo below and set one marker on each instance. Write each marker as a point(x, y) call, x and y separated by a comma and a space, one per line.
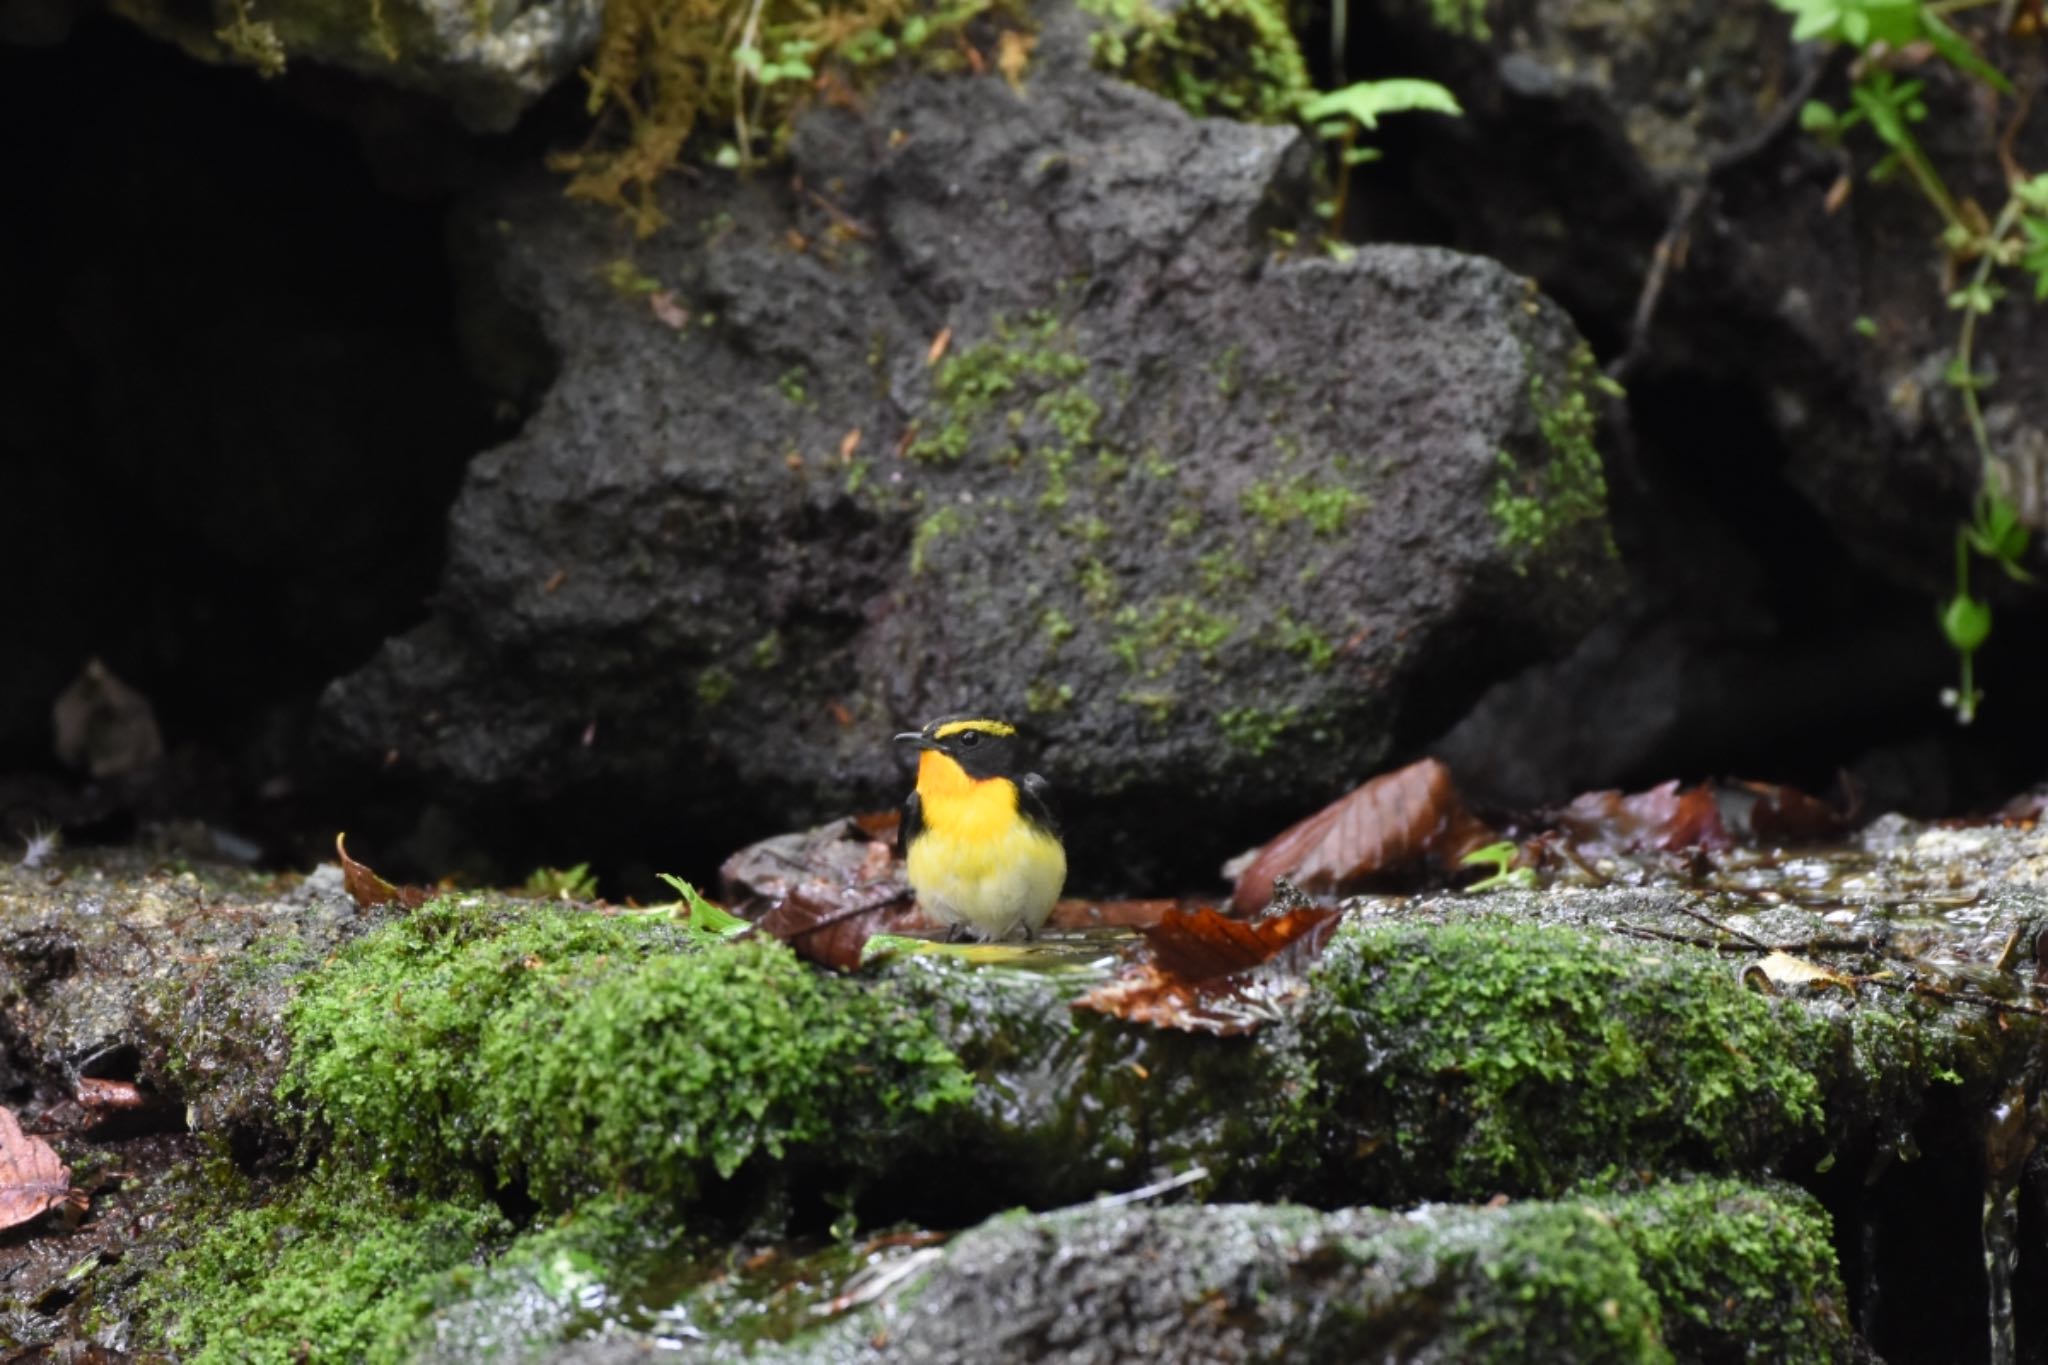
point(1393, 824)
point(1663, 819)
point(826, 891)
point(1208, 973)
point(368, 890)
point(32, 1179)
point(1783, 969)
point(1786, 815)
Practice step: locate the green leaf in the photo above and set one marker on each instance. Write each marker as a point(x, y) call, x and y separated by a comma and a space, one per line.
point(1966, 622)
point(705, 919)
point(1960, 54)
point(2033, 192)
point(1996, 531)
point(1365, 101)
point(1866, 326)
point(1956, 376)
point(1817, 116)
point(1979, 297)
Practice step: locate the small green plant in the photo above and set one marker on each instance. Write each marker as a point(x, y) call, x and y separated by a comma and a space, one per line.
point(562, 883)
point(1501, 858)
point(1340, 115)
point(1886, 34)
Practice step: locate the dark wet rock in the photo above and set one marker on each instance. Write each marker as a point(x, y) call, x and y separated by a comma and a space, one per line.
point(608, 1071)
point(127, 969)
point(1601, 1278)
point(1651, 102)
point(1219, 524)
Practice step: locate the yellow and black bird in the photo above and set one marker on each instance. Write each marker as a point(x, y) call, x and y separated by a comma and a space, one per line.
point(979, 838)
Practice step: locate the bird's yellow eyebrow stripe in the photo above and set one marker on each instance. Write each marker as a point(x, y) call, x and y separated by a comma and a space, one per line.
point(987, 727)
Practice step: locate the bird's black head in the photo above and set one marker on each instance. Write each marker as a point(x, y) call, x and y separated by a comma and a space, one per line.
point(983, 747)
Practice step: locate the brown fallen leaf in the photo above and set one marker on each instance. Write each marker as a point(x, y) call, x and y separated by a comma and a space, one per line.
point(1208, 973)
point(826, 891)
point(1391, 825)
point(32, 1179)
point(1663, 819)
point(938, 347)
point(368, 890)
point(1786, 815)
point(97, 1093)
point(1013, 55)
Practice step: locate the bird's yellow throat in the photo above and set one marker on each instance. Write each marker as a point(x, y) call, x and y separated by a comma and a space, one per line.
point(962, 807)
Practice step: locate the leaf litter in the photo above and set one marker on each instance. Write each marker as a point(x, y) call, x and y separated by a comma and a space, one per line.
point(32, 1180)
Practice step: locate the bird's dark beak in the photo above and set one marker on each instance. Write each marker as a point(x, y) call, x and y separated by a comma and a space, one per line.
point(917, 740)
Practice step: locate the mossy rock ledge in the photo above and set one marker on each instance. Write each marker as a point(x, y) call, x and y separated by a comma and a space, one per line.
point(484, 1085)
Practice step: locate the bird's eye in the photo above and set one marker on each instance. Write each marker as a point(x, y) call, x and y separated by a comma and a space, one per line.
point(970, 738)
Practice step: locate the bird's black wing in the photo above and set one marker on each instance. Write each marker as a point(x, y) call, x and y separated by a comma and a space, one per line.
point(909, 825)
point(1034, 799)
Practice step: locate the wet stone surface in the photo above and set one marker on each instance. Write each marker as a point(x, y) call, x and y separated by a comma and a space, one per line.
point(1566, 1054)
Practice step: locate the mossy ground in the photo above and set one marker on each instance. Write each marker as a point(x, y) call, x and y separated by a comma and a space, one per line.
point(1521, 1056)
point(569, 1052)
point(522, 1102)
point(479, 1052)
point(1215, 58)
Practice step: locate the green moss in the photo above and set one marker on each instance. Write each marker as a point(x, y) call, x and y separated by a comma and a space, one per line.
point(1256, 729)
point(768, 650)
point(1280, 503)
point(791, 385)
point(330, 1272)
point(1546, 1282)
point(1535, 507)
point(1098, 585)
point(714, 685)
point(628, 279)
point(1522, 1056)
point(569, 1052)
point(1466, 18)
point(1184, 523)
point(1157, 706)
point(1304, 641)
point(1045, 696)
point(1020, 376)
point(1056, 625)
point(555, 1282)
point(1215, 58)
point(1153, 642)
point(1733, 1262)
point(1221, 570)
point(946, 521)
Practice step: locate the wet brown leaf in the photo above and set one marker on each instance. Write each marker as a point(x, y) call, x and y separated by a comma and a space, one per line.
point(1786, 815)
point(368, 890)
point(826, 891)
point(1208, 973)
point(1663, 819)
point(105, 1095)
point(1393, 824)
point(32, 1179)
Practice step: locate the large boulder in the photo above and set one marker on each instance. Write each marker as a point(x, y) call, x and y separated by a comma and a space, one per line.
point(1011, 399)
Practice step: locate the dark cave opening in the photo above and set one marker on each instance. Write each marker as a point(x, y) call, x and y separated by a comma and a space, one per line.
point(242, 407)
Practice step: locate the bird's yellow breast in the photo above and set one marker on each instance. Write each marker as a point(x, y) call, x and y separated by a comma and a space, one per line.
point(978, 861)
